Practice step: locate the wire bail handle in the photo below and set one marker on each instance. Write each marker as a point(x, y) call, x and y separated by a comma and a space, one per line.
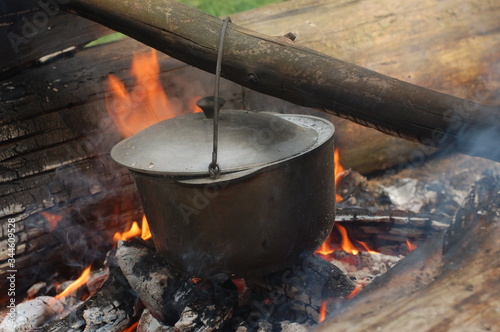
point(213, 167)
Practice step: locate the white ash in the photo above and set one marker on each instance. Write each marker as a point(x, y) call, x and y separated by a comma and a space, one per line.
point(187, 322)
point(287, 326)
point(404, 195)
point(106, 319)
point(32, 314)
point(365, 267)
point(148, 323)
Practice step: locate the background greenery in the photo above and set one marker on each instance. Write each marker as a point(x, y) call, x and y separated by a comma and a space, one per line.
point(212, 7)
point(226, 7)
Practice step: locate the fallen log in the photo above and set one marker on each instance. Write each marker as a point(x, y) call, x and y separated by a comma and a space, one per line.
point(450, 283)
point(275, 66)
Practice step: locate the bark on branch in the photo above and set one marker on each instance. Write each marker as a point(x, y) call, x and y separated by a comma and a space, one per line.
point(277, 67)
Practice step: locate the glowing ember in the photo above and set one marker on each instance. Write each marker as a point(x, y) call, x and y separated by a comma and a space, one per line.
point(132, 327)
point(411, 246)
point(195, 280)
point(147, 104)
point(240, 285)
point(337, 170)
point(355, 291)
point(346, 244)
point(84, 277)
point(133, 231)
point(322, 312)
point(52, 219)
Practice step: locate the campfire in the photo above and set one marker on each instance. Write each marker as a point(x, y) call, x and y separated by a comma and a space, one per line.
point(410, 232)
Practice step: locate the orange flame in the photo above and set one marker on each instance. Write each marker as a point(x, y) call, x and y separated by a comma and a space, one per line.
point(82, 279)
point(134, 230)
point(146, 232)
point(147, 104)
point(346, 244)
point(410, 245)
point(322, 312)
point(132, 327)
point(52, 219)
point(355, 291)
point(367, 247)
point(325, 248)
point(338, 168)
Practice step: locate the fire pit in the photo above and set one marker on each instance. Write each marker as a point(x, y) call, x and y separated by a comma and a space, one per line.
point(65, 198)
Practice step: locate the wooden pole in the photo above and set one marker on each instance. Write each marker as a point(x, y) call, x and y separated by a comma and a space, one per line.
point(277, 67)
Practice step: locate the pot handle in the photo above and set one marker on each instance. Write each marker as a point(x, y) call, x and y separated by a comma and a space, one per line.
point(213, 167)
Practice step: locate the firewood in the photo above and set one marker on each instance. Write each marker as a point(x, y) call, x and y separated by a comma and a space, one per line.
point(148, 323)
point(32, 314)
point(109, 309)
point(304, 286)
point(275, 66)
point(172, 297)
point(388, 231)
point(448, 283)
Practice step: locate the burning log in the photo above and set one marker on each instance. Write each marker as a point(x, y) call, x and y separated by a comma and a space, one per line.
point(304, 286)
point(275, 66)
point(109, 309)
point(31, 314)
point(389, 230)
point(455, 288)
point(174, 300)
point(148, 323)
point(171, 297)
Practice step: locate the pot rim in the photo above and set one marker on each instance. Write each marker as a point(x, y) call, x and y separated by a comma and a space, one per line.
point(324, 136)
point(322, 127)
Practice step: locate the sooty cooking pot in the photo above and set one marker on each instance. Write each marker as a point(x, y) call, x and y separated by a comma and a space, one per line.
point(273, 200)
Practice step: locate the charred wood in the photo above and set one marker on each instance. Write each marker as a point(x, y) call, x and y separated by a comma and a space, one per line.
point(387, 231)
point(32, 314)
point(302, 288)
point(174, 298)
point(148, 323)
point(451, 279)
point(27, 30)
point(109, 309)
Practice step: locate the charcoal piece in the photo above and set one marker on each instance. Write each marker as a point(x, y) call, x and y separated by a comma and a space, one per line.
point(171, 295)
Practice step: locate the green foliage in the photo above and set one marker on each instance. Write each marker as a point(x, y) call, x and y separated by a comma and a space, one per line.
point(212, 7)
point(106, 39)
point(226, 7)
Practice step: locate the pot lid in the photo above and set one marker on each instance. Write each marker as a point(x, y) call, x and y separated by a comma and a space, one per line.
point(183, 145)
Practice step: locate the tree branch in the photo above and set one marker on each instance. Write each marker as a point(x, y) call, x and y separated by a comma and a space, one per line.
point(277, 67)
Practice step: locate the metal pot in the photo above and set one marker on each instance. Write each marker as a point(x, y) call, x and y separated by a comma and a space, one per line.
point(273, 200)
